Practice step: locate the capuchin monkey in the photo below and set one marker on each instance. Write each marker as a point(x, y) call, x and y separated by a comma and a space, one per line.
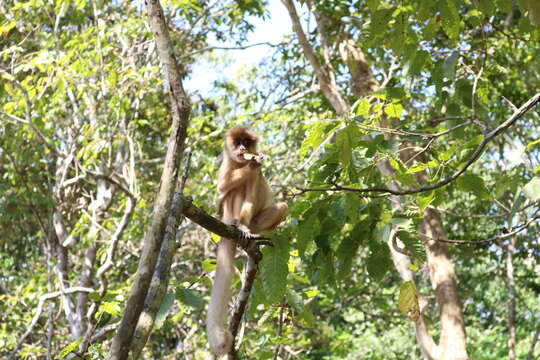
point(246, 202)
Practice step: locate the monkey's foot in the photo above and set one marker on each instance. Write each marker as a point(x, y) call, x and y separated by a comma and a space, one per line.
point(246, 233)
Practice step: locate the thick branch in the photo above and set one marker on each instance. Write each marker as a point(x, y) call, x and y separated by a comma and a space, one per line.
point(329, 89)
point(214, 225)
point(160, 278)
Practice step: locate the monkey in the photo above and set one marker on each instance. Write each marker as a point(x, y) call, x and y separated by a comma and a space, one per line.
point(246, 202)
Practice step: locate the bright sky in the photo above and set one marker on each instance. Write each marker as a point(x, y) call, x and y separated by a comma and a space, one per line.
point(270, 30)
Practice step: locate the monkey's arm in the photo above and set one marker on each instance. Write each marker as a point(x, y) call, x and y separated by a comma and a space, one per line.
point(235, 178)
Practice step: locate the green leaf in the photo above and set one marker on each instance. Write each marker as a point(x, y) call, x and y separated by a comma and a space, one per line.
point(110, 307)
point(486, 6)
point(308, 229)
point(532, 189)
point(274, 270)
point(475, 184)
point(393, 110)
point(348, 248)
point(417, 63)
point(69, 348)
point(168, 301)
point(344, 142)
point(352, 206)
point(450, 18)
point(424, 199)
point(413, 244)
point(324, 262)
point(408, 300)
point(505, 183)
point(190, 298)
point(446, 155)
point(299, 207)
point(378, 262)
point(208, 265)
point(6, 28)
point(362, 108)
point(314, 139)
point(297, 303)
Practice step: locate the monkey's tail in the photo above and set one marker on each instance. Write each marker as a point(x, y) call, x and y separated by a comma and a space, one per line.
point(219, 338)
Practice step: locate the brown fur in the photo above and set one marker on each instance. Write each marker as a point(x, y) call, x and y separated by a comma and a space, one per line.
point(245, 201)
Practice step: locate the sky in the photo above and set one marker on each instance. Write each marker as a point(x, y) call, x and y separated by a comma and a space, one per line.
point(270, 30)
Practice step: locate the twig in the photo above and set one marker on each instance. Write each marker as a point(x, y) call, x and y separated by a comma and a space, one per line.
point(505, 235)
point(211, 48)
point(482, 216)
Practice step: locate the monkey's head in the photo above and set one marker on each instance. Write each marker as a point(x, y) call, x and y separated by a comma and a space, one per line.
point(240, 140)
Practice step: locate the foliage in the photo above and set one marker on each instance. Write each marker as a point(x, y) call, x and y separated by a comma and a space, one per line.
point(84, 124)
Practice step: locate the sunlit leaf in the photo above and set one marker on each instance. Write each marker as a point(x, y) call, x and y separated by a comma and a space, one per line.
point(532, 189)
point(408, 300)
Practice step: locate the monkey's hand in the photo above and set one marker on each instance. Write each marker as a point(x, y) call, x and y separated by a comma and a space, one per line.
point(256, 161)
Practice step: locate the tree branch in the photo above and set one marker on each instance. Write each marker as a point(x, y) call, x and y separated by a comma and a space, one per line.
point(476, 154)
point(329, 89)
point(511, 233)
point(214, 225)
point(251, 268)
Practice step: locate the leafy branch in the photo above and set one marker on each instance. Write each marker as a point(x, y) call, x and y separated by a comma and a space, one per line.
point(518, 113)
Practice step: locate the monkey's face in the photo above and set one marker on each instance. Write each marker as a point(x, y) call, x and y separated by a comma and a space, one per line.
point(240, 146)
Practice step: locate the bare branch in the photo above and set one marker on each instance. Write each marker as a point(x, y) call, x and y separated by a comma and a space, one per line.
point(328, 87)
point(212, 48)
point(214, 225)
point(502, 236)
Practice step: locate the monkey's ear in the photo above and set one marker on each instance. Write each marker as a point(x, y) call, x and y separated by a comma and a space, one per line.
point(252, 135)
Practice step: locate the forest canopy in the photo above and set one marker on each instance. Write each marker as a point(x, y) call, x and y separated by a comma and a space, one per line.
point(403, 136)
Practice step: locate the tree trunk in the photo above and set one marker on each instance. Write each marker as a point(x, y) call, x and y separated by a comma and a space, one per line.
point(154, 237)
point(452, 340)
point(511, 298)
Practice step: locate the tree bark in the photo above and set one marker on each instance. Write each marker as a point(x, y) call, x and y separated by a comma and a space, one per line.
point(152, 243)
point(160, 280)
point(452, 340)
point(510, 282)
